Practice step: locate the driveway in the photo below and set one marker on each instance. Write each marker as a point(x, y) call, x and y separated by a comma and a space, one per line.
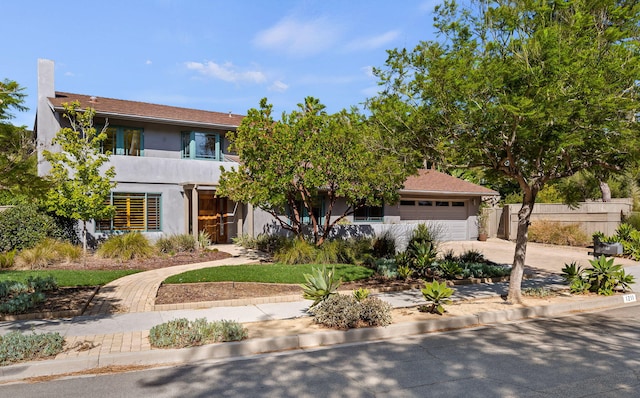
point(549, 258)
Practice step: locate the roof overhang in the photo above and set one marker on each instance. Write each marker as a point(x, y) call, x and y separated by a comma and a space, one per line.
point(176, 122)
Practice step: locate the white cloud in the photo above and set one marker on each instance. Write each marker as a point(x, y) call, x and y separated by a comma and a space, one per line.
point(299, 38)
point(279, 86)
point(428, 6)
point(368, 70)
point(226, 72)
point(148, 62)
point(374, 42)
point(69, 74)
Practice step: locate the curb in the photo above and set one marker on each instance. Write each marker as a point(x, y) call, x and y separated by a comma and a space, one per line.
point(258, 346)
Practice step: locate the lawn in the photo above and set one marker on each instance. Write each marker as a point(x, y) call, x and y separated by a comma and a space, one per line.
point(68, 278)
point(268, 273)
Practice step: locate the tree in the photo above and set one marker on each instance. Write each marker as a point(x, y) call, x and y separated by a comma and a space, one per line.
point(18, 161)
point(528, 89)
point(80, 188)
point(286, 165)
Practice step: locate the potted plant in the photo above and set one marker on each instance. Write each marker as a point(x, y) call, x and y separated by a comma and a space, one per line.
point(482, 221)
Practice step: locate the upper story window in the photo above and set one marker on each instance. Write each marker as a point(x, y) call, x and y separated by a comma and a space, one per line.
point(126, 141)
point(198, 145)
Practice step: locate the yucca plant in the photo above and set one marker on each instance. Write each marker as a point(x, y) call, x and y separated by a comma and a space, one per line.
point(436, 294)
point(320, 285)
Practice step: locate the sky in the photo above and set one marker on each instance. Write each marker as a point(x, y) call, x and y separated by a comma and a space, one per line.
point(215, 55)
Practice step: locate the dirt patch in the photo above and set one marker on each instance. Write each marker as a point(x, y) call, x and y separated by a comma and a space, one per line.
point(196, 292)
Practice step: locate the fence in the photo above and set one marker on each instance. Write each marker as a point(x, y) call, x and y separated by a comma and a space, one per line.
point(591, 216)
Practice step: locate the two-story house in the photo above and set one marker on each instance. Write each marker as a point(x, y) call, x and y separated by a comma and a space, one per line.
point(167, 161)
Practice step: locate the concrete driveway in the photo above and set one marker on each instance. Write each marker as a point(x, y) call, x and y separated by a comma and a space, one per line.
point(549, 258)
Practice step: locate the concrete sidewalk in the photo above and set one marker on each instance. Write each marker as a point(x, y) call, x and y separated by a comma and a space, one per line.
point(105, 338)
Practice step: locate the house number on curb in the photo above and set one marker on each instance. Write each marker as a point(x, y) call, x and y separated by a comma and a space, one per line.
point(628, 298)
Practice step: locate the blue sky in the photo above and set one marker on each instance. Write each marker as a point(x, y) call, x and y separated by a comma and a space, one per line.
point(215, 55)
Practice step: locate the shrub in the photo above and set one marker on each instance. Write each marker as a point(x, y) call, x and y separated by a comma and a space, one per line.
point(176, 243)
point(537, 292)
point(16, 347)
point(23, 226)
point(320, 285)
point(436, 294)
point(17, 297)
point(270, 243)
point(296, 251)
point(384, 245)
point(483, 270)
point(634, 220)
point(338, 311)
point(46, 252)
point(556, 233)
point(344, 312)
point(472, 256)
point(386, 267)
point(330, 252)
point(8, 259)
point(375, 312)
point(180, 333)
point(126, 247)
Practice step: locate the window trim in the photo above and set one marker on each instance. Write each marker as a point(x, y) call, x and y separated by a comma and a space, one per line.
point(192, 153)
point(146, 196)
point(119, 148)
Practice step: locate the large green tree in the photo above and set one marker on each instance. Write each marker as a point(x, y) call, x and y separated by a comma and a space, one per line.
point(286, 165)
point(531, 90)
point(18, 160)
point(81, 182)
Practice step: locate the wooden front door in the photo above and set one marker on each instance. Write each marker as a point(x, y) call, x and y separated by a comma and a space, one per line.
point(212, 216)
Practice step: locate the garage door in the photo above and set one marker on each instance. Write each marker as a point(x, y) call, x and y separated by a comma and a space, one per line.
point(450, 215)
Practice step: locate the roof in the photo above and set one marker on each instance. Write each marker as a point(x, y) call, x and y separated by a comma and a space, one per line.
point(433, 181)
point(145, 111)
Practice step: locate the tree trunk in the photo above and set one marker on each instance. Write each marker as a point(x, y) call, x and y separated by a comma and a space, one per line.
point(517, 271)
point(605, 190)
point(84, 243)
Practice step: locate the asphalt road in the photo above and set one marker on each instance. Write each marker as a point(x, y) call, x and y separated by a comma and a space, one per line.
point(586, 355)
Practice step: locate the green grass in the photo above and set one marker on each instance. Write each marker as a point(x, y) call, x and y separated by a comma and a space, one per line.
point(66, 278)
point(268, 273)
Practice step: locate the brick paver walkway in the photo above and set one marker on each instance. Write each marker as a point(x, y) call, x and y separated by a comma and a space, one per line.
point(137, 292)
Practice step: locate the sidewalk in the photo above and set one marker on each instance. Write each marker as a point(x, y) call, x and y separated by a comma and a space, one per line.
point(122, 338)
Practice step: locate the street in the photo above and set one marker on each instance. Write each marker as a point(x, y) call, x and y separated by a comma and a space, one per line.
point(593, 354)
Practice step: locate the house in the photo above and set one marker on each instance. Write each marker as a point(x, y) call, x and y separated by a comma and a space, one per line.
point(168, 159)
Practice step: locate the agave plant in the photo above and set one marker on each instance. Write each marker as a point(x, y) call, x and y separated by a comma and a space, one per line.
point(320, 285)
point(571, 272)
point(437, 294)
point(603, 275)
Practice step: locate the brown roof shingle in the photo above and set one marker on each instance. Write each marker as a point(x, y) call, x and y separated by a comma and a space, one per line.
point(143, 110)
point(435, 181)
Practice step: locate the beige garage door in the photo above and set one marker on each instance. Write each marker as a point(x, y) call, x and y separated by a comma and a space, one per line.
point(451, 215)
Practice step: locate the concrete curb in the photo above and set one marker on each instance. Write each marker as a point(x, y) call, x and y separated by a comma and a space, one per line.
point(296, 342)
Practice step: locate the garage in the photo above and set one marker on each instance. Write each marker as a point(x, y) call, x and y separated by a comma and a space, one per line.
point(452, 215)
